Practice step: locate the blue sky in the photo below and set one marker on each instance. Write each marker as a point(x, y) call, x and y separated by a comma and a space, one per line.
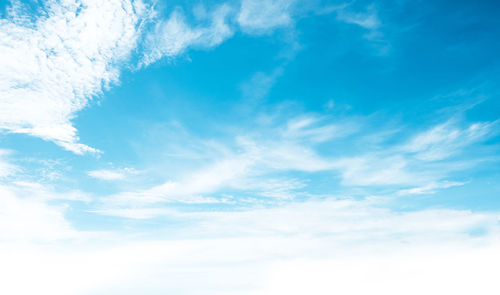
point(221, 133)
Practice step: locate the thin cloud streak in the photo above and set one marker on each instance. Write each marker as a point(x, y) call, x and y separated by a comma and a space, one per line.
point(253, 164)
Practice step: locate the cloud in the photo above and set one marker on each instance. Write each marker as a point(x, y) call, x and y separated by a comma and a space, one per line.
point(369, 170)
point(248, 164)
point(345, 220)
point(430, 188)
point(31, 211)
point(257, 248)
point(54, 61)
point(407, 163)
point(312, 129)
point(116, 174)
point(191, 187)
point(106, 174)
point(368, 19)
point(69, 52)
point(53, 65)
point(261, 16)
point(248, 266)
point(446, 140)
point(173, 36)
point(293, 249)
point(25, 212)
point(6, 168)
point(412, 272)
point(41, 192)
point(259, 167)
point(14, 183)
point(28, 218)
point(259, 85)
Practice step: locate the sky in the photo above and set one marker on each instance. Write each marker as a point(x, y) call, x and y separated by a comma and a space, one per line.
point(249, 147)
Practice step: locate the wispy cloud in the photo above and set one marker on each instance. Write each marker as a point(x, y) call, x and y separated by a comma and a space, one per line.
point(259, 85)
point(55, 63)
point(406, 163)
point(430, 188)
point(112, 174)
point(190, 188)
point(25, 212)
point(36, 190)
point(261, 16)
point(52, 65)
point(447, 139)
point(6, 168)
point(372, 170)
point(247, 165)
point(367, 19)
point(31, 211)
point(313, 130)
point(261, 163)
point(174, 35)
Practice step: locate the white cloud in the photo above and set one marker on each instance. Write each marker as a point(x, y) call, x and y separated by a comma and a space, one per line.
point(259, 85)
point(191, 187)
point(6, 168)
point(35, 190)
point(28, 218)
point(257, 250)
point(429, 188)
point(135, 213)
point(25, 210)
point(255, 266)
point(368, 19)
point(106, 174)
point(410, 272)
point(415, 162)
point(347, 224)
point(115, 174)
point(325, 247)
point(248, 266)
point(373, 170)
point(25, 214)
point(445, 140)
point(260, 16)
point(281, 188)
point(53, 65)
point(253, 164)
point(246, 166)
point(312, 129)
point(173, 36)
point(295, 157)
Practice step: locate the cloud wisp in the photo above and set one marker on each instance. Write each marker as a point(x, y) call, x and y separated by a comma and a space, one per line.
point(112, 174)
point(52, 66)
point(56, 62)
point(261, 166)
point(173, 36)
